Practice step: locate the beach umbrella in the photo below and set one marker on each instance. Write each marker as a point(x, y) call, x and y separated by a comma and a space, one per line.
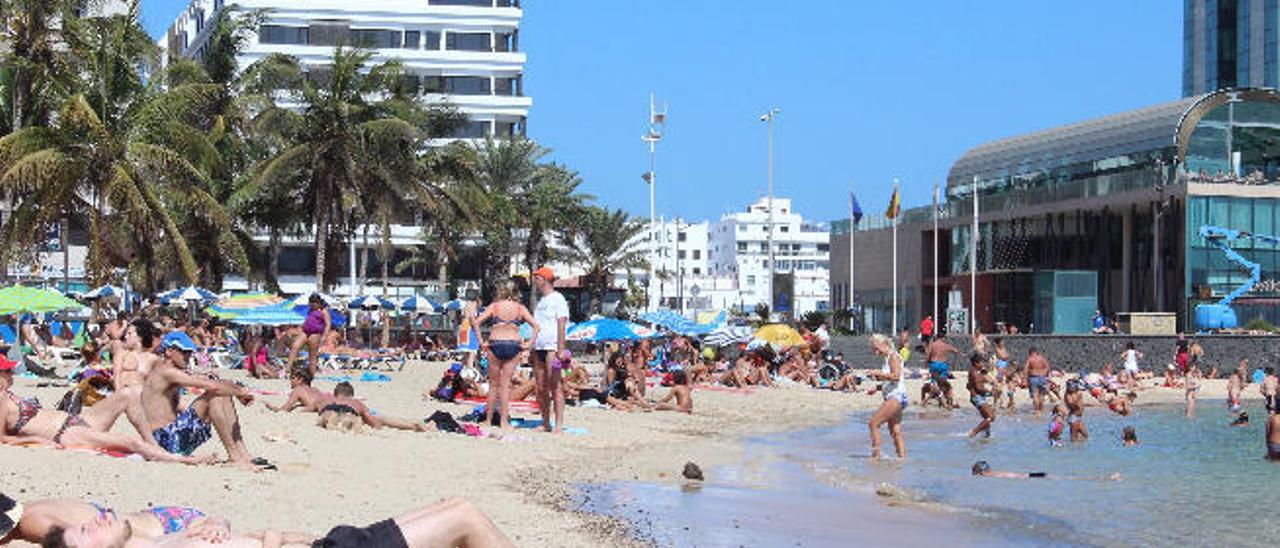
point(271, 315)
point(234, 305)
point(727, 334)
point(456, 304)
point(419, 304)
point(329, 300)
point(103, 292)
point(608, 329)
point(371, 302)
point(779, 335)
point(187, 294)
point(21, 299)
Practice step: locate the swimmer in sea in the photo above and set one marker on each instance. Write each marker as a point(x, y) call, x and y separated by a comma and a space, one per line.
point(1074, 401)
point(1057, 424)
point(983, 469)
point(1130, 436)
point(1273, 437)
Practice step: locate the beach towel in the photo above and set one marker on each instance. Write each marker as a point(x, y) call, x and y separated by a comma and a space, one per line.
point(537, 423)
point(367, 376)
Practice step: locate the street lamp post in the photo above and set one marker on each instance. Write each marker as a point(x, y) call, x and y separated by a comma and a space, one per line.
point(768, 119)
point(657, 122)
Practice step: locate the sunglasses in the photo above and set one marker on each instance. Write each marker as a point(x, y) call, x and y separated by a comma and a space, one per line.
point(10, 513)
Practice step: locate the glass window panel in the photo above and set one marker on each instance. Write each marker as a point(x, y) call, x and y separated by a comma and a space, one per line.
point(469, 41)
point(412, 39)
point(430, 40)
point(278, 34)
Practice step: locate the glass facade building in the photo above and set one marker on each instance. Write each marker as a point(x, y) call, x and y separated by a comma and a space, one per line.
point(1229, 44)
point(1121, 197)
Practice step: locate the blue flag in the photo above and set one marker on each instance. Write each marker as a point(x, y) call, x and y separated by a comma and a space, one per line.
point(855, 210)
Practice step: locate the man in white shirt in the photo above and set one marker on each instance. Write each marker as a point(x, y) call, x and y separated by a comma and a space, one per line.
point(549, 347)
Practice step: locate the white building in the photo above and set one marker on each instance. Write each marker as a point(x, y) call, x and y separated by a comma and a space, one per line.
point(739, 249)
point(464, 51)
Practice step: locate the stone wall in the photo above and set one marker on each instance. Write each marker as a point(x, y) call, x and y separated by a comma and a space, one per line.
point(1091, 352)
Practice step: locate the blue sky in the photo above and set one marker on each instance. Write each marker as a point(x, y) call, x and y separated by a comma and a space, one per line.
point(869, 90)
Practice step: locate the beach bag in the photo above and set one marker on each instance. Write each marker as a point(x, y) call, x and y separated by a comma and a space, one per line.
point(445, 423)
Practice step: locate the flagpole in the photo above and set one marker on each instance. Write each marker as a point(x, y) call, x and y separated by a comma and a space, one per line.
point(894, 328)
point(973, 264)
point(852, 292)
point(936, 318)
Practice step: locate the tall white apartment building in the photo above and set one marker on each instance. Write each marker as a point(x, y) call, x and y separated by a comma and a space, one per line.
point(464, 51)
point(739, 248)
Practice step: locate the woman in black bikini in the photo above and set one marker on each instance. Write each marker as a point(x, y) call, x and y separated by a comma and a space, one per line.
point(24, 421)
point(504, 347)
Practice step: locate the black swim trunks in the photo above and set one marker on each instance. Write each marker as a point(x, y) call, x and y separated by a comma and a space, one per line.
point(338, 408)
point(384, 534)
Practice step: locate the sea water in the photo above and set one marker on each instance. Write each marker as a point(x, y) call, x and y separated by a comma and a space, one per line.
point(1191, 481)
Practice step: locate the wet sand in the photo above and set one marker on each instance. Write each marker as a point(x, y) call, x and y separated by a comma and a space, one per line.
point(525, 481)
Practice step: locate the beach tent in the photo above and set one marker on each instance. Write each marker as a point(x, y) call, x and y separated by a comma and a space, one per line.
point(608, 329)
point(418, 304)
point(371, 302)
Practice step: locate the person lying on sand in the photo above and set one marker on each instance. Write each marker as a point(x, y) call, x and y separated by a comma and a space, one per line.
point(680, 392)
point(345, 412)
point(454, 522)
point(302, 395)
point(981, 468)
point(41, 517)
point(24, 421)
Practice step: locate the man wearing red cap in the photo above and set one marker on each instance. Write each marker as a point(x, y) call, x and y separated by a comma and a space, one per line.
point(549, 347)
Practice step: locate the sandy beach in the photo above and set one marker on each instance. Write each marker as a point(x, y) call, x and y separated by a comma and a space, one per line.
point(522, 481)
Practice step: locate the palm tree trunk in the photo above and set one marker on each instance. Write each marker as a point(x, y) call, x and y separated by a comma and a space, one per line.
point(273, 259)
point(386, 258)
point(364, 257)
point(322, 242)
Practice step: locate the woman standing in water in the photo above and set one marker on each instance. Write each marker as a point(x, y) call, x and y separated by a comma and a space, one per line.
point(1193, 387)
point(895, 397)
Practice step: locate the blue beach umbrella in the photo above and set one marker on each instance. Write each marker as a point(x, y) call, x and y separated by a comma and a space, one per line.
point(419, 304)
point(456, 304)
point(189, 293)
point(371, 302)
point(608, 329)
point(103, 292)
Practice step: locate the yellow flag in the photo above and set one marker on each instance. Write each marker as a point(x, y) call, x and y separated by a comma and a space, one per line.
point(892, 212)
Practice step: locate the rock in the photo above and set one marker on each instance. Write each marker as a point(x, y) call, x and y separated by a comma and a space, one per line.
point(693, 471)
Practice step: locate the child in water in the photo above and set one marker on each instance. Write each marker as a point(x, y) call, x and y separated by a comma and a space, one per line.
point(1130, 436)
point(1057, 424)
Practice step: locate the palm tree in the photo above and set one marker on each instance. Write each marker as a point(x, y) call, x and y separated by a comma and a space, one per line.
point(337, 146)
point(505, 169)
point(99, 154)
point(36, 70)
point(606, 242)
point(552, 203)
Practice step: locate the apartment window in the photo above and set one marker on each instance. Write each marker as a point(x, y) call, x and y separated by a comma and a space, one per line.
point(278, 34)
point(430, 40)
point(409, 84)
point(466, 85)
point(329, 33)
point(506, 41)
point(824, 248)
point(433, 84)
point(512, 129)
point(742, 247)
point(681, 237)
point(697, 254)
point(784, 228)
point(376, 38)
point(742, 228)
point(474, 129)
point(697, 271)
point(680, 254)
point(764, 247)
point(751, 280)
point(412, 39)
point(469, 41)
point(475, 3)
point(199, 15)
point(507, 86)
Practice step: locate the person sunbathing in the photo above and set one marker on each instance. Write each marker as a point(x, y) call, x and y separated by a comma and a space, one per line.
point(453, 522)
point(25, 422)
point(60, 522)
point(344, 412)
point(681, 393)
point(301, 394)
